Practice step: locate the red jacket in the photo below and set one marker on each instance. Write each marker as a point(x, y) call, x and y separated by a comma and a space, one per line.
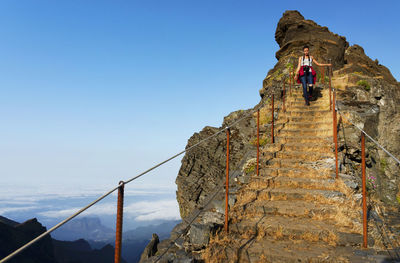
point(301, 73)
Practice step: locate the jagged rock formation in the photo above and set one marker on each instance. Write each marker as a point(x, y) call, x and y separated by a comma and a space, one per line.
point(292, 33)
point(367, 91)
point(203, 167)
point(151, 248)
point(13, 235)
point(295, 211)
point(296, 208)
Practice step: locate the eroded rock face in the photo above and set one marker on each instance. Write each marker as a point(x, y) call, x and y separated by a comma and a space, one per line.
point(375, 108)
point(367, 91)
point(292, 33)
point(203, 168)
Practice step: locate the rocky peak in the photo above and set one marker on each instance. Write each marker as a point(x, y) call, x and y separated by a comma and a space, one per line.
point(293, 32)
point(368, 95)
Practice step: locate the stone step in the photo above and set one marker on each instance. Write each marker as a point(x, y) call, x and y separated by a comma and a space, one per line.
point(306, 132)
point(297, 155)
point(309, 113)
point(311, 195)
point(321, 147)
point(288, 182)
point(308, 147)
point(288, 209)
point(327, 163)
point(304, 172)
point(284, 228)
point(304, 118)
point(300, 99)
point(308, 108)
point(310, 125)
point(295, 251)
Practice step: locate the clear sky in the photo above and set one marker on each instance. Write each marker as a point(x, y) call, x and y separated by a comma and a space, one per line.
point(93, 92)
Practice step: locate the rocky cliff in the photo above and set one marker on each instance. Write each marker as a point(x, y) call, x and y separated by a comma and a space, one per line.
point(368, 95)
point(13, 235)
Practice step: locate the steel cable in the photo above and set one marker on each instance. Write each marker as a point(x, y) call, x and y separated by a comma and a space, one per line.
point(19, 250)
point(366, 134)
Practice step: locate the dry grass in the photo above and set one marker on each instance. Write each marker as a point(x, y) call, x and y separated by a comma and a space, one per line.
point(331, 238)
point(265, 114)
point(308, 236)
point(216, 252)
point(262, 259)
point(277, 234)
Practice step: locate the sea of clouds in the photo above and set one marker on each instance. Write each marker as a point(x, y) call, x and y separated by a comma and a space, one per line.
point(142, 205)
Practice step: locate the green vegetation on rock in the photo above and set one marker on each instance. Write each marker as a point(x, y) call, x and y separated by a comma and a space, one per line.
point(365, 84)
point(383, 163)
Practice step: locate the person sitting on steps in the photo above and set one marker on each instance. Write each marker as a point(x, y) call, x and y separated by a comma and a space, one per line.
point(305, 74)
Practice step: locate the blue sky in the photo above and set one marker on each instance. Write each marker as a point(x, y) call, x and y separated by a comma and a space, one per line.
point(93, 92)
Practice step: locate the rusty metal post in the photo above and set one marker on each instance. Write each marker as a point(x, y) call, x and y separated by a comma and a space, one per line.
point(291, 83)
point(118, 231)
point(364, 190)
point(227, 181)
point(258, 141)
point(330, 90)
point(283, 97)
point(272, 118)
point(335, 139)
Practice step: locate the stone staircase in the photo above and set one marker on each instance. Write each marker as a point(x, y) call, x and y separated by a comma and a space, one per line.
point(295, 211)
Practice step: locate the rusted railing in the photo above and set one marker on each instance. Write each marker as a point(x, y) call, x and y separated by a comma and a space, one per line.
point(258, 143)
point(118, 231)
point(363, 167)
point(120, 188)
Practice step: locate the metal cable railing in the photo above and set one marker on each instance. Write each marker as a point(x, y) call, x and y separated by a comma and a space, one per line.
point(221, 186)
point(121, 185)
point(379, 222)
point(363, 134)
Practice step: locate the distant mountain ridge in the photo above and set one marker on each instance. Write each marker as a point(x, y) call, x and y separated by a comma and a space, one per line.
point(89, 228)
point(48, 250)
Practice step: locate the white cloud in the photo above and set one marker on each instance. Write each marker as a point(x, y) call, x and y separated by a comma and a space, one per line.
point(154, 210)
point(140, 211)
point(27, 194)
point(5, 210)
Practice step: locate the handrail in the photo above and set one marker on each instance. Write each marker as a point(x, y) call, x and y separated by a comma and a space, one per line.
point(369, 137)
point(38, 238)
point(220, 187)
point(335, 109)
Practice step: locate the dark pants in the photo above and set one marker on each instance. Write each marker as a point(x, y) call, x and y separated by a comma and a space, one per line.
point(305, 80)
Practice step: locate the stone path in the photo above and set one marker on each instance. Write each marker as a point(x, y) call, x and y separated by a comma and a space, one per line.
point(295, 211)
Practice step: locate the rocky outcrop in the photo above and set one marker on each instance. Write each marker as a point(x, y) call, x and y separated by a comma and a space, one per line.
point(151, 249)
point(203, 167)
point(368, 95)
point(367, 92)
point(292, 33)
point(13, 235)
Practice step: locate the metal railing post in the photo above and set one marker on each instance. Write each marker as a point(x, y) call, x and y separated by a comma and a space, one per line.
point(330, 87)
point(272, 118)
point(258, 141)
point(227, 181)
point(290, 83)
point(364, 190)
point(118, 231)
point(335, 137)
point(330, 95)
